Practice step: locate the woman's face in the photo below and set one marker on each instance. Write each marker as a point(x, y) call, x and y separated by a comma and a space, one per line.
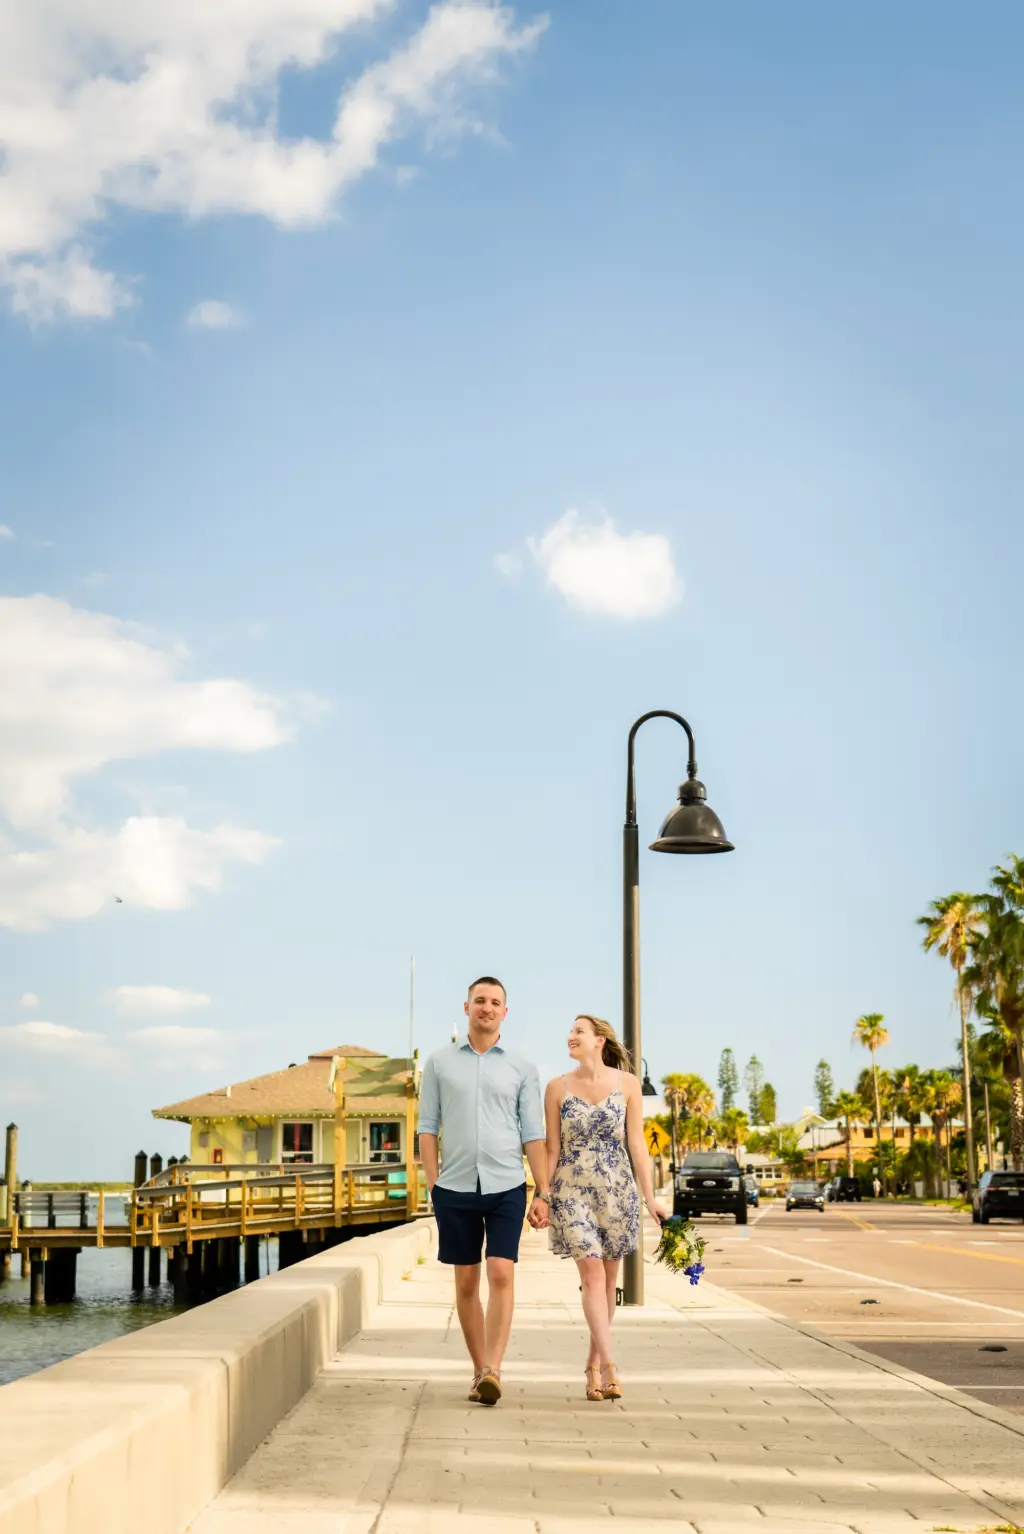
point(583, 1041)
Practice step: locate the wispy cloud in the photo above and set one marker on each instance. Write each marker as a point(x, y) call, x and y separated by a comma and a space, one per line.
point(156, 1001)
point(213, 314)
point(57, 1039)
point(30, 999)
point(5, 531)
point(151, 107)
point(80, 690)
point(600, 571)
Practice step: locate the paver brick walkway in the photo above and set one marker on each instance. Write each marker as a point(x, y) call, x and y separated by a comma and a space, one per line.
point(732, 1419)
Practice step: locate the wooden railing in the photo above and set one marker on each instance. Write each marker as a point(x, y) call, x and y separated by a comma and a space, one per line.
point(189, 1203)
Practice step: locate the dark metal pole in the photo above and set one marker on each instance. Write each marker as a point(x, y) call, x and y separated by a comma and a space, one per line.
point(633, 1267)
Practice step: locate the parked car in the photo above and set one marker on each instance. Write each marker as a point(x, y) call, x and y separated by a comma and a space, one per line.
point(999, 1194)
point(805, 1195)
point(752, 1190)
point(709, 1182)
point(844, 1190)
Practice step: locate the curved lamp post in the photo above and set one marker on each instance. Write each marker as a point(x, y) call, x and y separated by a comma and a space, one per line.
point(691, 827)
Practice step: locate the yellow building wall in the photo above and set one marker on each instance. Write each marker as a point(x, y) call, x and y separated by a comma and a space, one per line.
point(221, 1134)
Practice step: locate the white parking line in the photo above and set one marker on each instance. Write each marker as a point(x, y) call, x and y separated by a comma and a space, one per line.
point(890, 1283)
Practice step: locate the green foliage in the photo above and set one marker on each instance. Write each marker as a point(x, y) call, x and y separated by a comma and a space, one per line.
point(769, 1105)
point(753, 1080)
point(824, 1088)
point(728, 1080)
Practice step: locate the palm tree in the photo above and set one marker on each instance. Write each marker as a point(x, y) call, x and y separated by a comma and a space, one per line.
point(870, 1033)
point(945, 1096)
point(689, 1097)
point(848, 1107)
point(996, 978)
point(951, 925)
point(732, 1128)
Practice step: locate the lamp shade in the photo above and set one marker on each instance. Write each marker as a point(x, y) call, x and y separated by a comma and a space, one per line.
point(692, 826)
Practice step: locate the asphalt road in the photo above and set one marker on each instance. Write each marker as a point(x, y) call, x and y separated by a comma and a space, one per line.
point(943, 1290)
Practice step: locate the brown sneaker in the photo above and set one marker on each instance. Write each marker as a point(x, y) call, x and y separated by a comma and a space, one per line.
point(488, 1388)
point(474, 1389)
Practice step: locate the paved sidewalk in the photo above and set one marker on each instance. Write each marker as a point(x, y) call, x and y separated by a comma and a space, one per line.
point(731, 1419)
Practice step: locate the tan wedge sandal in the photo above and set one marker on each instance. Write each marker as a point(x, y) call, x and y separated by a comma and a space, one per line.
point(612, 1391)
point(594, 1391)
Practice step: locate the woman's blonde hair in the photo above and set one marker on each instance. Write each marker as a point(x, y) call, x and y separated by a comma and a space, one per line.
point(614, 1052)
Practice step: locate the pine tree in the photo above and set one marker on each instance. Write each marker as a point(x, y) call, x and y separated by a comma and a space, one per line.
point(824, 1088)
point(769, 1104)
point(753, 1080)
point(728, 1080)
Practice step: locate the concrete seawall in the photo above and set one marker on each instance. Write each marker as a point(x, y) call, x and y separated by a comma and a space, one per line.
point(139, 1435)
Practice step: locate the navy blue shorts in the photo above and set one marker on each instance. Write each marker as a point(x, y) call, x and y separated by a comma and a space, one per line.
point(463, 1219)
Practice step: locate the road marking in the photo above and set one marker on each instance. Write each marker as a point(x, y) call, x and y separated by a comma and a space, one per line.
point(864, 1224)
point(966, 1251)
point(890, 1283)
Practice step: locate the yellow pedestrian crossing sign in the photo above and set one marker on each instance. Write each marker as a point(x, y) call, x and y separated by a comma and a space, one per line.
point(658, 1139)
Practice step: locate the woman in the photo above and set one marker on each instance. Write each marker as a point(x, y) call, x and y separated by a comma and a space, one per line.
point(592, 1114)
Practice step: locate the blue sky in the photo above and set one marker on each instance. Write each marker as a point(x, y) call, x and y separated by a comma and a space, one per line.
point(291, 550)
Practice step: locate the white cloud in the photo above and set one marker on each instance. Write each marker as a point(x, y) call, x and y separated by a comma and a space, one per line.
point(19, 1091)
point(58, 1039)
point(213, 314)
point(202, 1048)
point(79, 690)
point(509, 565)
point(156, 1001)
point(5, 531)
point(155, 862)
point(30, 999)
point(173, 109)
point(605, 573)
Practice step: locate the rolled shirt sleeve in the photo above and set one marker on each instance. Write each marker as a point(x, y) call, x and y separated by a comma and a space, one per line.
point(430, 1101)
point(531, 1108)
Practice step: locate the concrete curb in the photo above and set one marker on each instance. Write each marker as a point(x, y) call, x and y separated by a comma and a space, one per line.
point(141, 1433)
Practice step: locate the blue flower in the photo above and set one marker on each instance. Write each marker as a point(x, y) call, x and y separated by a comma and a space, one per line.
point(694, 1271)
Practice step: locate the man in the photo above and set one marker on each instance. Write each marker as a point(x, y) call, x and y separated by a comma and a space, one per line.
point(485, 1102)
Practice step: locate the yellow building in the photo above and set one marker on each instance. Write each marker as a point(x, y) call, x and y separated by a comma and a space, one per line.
point(289, 1117)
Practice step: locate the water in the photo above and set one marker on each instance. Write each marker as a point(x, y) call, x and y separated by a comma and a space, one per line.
point(104, 1308)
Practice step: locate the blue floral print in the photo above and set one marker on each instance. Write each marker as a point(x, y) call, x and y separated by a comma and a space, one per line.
point(595, 1208)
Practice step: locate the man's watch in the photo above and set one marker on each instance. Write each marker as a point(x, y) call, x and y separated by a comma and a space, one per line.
point(545, 1198)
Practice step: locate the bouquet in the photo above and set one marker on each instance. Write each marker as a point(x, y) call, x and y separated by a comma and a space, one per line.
point(680, 1248)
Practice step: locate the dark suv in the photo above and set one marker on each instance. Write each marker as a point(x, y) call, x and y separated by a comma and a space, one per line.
point(843, 1190)
point(1000, 1194)
point(709, 1182)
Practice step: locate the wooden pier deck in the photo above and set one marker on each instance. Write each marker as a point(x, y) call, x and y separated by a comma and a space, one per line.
point(190, 1204)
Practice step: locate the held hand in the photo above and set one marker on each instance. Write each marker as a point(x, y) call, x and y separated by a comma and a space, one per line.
point(538, 1214)
point(658, 1210)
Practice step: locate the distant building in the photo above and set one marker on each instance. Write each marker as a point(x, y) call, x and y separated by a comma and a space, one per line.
point(289, 1116)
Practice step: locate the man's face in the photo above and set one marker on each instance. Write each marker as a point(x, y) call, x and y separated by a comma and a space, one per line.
point(486, 1008)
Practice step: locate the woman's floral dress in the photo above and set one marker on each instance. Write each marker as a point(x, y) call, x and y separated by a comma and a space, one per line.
point(595, 1208)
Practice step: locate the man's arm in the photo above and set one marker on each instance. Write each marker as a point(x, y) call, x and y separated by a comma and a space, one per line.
point(428, 1156)
point(531, 1127)
point(430, 1122)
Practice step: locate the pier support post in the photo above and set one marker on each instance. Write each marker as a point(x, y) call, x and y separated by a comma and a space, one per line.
point(60, 1272)
point(252, 1259)
point(37, 1271)
point(5, 1267)
point(138, 1252)
point(227, 1262)
point(193, 1264)
point(209, 1266)
point(179, 1275)
point(11, 1163)
point(24, 1263)
point(154, 1267)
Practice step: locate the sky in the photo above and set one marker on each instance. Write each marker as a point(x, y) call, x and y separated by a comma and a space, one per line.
point(395, 402)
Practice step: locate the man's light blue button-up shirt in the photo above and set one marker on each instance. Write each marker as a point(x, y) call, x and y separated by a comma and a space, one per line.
point(484, 1107)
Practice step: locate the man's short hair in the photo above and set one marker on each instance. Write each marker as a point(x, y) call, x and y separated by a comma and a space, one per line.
point(487, 980)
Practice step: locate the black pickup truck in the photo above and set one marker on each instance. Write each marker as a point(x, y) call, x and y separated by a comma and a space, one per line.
point(710, 1182)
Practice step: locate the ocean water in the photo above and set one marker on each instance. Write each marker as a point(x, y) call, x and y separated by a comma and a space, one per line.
point(104, 1307)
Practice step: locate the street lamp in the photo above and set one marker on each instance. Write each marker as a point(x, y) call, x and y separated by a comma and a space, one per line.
point(691, 827)
point(648, 1089)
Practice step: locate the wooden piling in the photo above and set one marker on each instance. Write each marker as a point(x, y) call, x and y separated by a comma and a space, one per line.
point(37, 1276)
point(138, 1252)
point(60, 1273)
point(179, 1274)
point(154, 1267)
point(252, 1259)
point(11, 1161)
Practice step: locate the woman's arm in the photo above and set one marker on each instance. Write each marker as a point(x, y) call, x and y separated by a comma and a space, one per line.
point(638, 1152)
point(553, 1123)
